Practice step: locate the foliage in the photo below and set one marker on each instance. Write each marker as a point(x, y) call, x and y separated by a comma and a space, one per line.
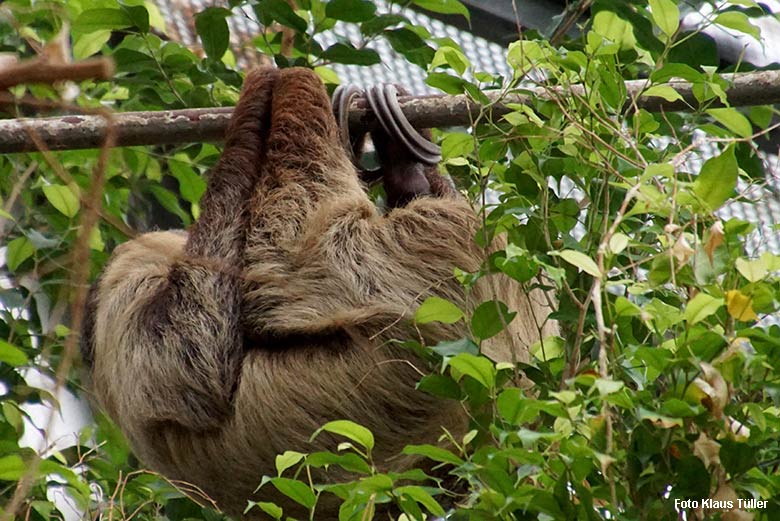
point(664, 384)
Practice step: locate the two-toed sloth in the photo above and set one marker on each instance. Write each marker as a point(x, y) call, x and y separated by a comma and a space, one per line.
point(216, 349)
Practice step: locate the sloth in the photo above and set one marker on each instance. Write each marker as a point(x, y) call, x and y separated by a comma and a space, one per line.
point(218, 348)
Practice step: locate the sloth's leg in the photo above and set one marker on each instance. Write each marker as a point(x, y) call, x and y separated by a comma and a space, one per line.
point(174, 324)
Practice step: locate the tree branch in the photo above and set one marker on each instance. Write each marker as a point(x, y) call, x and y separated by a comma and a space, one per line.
point(209, 124)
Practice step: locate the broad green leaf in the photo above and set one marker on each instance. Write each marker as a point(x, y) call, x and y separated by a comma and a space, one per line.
point(513, 407)
point(354, 11)
point(139, 16)
point(614, 28)
point(436, 309)
point(733, 120)
point(348, 461)
point(272, 509)
point(581, 261)
point(548, 348)
point(490, 318)
point(738, 21)
point(19, 250)
point(421, 496)
point(444, 7)
point(379, 23)
point(295, 490)
point(281, 11)
point(478, 367)
point(87, 44)
point(96, 240)
point(212, 27)
point(446, 82)
point(101, 19)
point(607, 387)
point(434, 453)
point(348, 54)
point(287, 460)
point(666, 15)
point(348, 429)
point(63, 199)
point(191, 185)
point(717, 180)
point(666, 92)
point(618, 242)
point(753, 270)
point(12, 355)
point(452, 57)
point(701, 306)
point(12, 467)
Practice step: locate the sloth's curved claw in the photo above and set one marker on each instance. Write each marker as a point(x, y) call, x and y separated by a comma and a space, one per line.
point(342, 98)
point(383, 100)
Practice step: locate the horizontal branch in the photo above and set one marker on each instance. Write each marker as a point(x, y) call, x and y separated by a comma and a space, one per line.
point(209, 124)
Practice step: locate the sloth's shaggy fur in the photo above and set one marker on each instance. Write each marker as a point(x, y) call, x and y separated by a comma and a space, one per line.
point(217, 349)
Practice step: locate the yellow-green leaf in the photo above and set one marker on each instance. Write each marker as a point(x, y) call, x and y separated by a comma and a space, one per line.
point(436, 309)
point(19, 250)
point(701, 306)
point(63, 199)
point(582, 261)
point(733, 120)
point(666, 15)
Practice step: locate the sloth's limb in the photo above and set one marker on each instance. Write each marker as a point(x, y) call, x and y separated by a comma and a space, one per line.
point(168, 319)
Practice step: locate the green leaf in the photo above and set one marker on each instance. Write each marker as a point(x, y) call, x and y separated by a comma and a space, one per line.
point(295, 490)
point(753, 270)
point(421, 496)
point(717, 180)
point(434, 453)
point(581, 261)
point(348, 429)
point(349, 461)
point(436, 309)
point(63, 199)
point(281, 11)
point(666, 15)
point(444, 7)
point(287, 460)
point(87, 44)
point(666, 92)
point(490, 318)
point(19, 250)
point(738, 21)
point(101, 19)
point(733, 120)
point(446, 82)
point(736, 457)
point(139, 16)
point(354, 11)
point(212, 27)
point(12, 355)
point(701, 306)
point(379, 23)
point(478, 367)
point(191, 185)
point(617, 243)
point(272, 509)
point(513, 407)
point(12, 467)
point(452, 57)
point(348, 54)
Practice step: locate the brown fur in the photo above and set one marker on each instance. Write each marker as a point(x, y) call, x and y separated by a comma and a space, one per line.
point(218, 349)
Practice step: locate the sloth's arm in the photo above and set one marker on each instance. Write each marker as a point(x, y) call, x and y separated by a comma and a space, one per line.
point(168, 318)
